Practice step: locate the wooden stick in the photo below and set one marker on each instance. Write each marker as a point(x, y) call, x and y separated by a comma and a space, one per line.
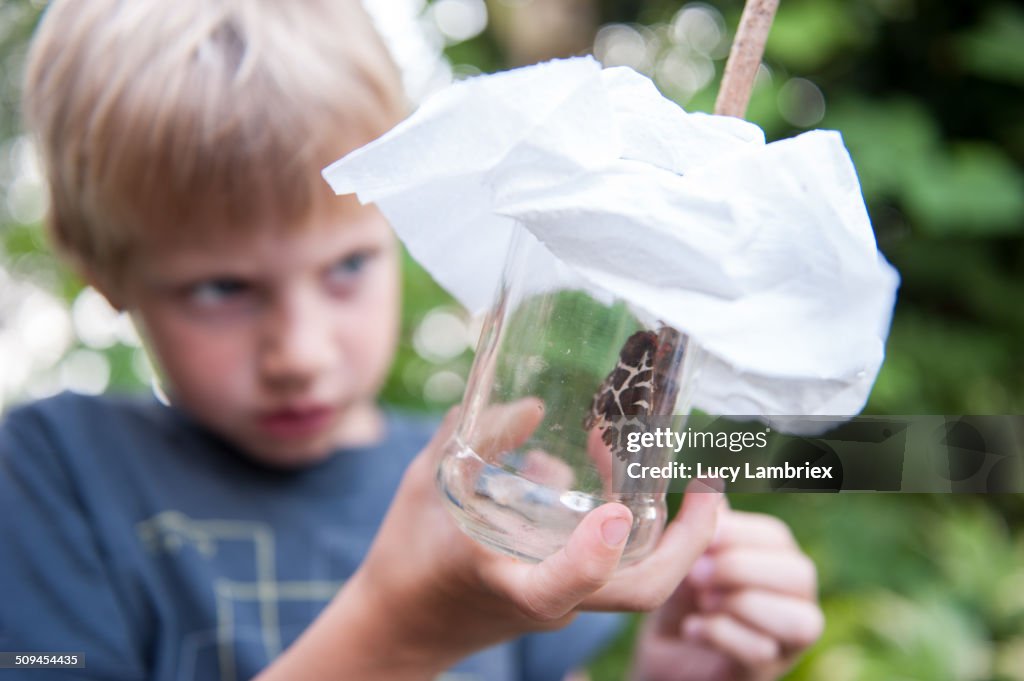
point(745, 57)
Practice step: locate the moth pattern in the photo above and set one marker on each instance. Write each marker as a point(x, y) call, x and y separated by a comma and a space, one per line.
point(643, 383)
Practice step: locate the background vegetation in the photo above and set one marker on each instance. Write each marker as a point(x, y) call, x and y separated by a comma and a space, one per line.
point(929, 99)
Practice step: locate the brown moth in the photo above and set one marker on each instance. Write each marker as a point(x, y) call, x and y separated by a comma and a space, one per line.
point(643, 383)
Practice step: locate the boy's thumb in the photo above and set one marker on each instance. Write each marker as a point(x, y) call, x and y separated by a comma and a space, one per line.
point(587, 562)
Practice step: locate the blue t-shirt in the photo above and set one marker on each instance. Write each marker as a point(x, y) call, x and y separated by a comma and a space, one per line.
point(130, 534)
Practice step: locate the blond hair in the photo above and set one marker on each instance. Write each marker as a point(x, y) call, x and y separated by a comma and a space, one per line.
point(196, 114)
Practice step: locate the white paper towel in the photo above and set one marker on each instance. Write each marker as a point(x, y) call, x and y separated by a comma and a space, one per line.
point(763, 254)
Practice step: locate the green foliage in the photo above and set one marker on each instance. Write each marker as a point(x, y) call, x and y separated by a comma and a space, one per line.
point(951, 609)
point(806, 36)
point(949, 189)
point(992, 48)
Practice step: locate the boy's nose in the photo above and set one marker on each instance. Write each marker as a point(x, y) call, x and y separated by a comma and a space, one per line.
point(297, 343)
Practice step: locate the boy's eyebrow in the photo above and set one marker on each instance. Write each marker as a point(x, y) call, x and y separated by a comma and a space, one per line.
point(176, 269)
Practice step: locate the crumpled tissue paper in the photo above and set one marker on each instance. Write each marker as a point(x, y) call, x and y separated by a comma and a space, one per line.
point(762, 253)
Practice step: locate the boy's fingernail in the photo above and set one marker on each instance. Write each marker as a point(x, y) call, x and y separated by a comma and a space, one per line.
point(707, 485)
point(615, 530)
point(701, 571)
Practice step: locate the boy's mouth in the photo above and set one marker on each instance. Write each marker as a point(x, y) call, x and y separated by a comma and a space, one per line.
point(291, 422)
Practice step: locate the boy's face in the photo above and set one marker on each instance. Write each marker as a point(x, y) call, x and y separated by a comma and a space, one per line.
point(277, 340)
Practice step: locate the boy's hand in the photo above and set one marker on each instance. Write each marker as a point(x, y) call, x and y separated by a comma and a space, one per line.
point(427, 595)
point(746, 611)
point(438, 596)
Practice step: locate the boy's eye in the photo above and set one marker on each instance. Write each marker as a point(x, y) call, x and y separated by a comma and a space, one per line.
point(346, 271)
point(217, 291)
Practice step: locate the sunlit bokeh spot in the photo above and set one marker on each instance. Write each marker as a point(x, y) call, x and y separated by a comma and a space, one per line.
point(459, 20)
point(26, 199)
point(622, 45)
point(37, 320)
point(801, 102)
point(683, 73)
point(42, 384)
point(85, 371)
point(94, 319)
point(699, 27)
point(14, 369)
point(125, 331)
point(414, 374)
point(441, 336)
point(679, 55)
point(443, 387)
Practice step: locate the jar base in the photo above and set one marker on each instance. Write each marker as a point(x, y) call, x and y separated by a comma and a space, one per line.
point(527, 520)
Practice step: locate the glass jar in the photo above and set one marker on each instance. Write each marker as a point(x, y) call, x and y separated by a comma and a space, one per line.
point(561, 371)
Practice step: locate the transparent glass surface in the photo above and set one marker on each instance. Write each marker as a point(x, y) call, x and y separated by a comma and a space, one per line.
point(547, 355)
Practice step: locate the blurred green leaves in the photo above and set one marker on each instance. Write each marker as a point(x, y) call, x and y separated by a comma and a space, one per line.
point(949, 609)
point(974, 188)
point(992, 49)
point(806, 35)
point(948, 188)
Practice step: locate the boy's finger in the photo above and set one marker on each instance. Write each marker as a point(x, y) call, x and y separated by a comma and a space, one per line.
point(689, 534)
point(548, 470)
point(504, 427)
point(601, 454)
point(739, 528)
point(666, 619)
point(749, 647)
point(553, 588)
point(786, 572)
point(646, 585)
point(795, 622)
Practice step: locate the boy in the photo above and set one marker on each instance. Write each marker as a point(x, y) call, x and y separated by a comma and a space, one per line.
point(274, 521)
